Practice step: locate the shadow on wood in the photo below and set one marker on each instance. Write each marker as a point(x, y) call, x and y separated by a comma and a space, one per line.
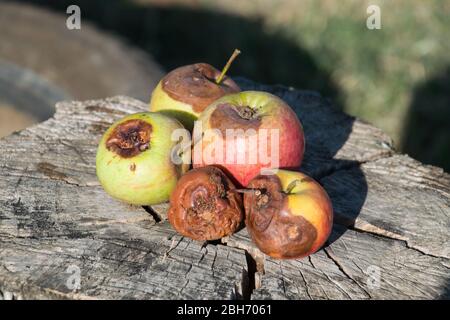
point(446, 292)
point(426, 135)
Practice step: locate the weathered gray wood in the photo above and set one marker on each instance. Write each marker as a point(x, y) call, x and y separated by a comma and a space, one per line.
point(155, 263)
point(392, 217)
point(54, 214)
point(405, 200)
point(357, 265)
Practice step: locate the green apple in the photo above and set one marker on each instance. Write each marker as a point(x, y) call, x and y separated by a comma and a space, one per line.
point(134, 159)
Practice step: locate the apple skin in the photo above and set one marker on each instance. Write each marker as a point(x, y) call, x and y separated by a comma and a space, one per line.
point(293, 224)
point(205, 206)
point(161, 102)
point(186, 91)
point(143, 178)
point(271, 113)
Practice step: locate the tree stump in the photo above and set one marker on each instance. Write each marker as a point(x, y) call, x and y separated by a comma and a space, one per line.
point(57, 225)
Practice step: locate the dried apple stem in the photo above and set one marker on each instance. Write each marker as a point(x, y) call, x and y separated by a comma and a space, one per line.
point(256, 192)
point(236, 52)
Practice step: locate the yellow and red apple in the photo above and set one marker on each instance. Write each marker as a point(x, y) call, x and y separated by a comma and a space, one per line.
point(288, 214)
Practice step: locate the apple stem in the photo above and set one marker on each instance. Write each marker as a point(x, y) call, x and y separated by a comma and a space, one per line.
point(236, 52)
point(256, 192)
point(292, 185)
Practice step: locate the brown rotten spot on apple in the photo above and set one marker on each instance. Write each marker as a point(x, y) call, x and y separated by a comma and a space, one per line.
point(134, 158)
point(231, 116)
point(246, 133)
point(288, 215)
point(204, 206)
point(129, 138)
point(196, 85)
point(186, 91)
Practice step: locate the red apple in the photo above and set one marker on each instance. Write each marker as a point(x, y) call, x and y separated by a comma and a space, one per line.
point(247, 132)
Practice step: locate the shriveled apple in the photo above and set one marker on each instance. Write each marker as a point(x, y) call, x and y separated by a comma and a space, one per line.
point(204, 205)
point(288, 215)
point(247, 132)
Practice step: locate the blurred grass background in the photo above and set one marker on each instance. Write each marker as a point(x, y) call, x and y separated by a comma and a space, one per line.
point(396, 78)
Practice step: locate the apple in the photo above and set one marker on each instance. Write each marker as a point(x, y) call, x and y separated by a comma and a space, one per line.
point(288, 214)
point(134, 159)
point(246, 133)
point(186, 91)
point(204, 205)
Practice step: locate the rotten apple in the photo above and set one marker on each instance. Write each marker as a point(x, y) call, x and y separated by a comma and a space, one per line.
point(186, 91)
point(204, 205)
point(134, 159)
point(247, 132)
point(288, 214)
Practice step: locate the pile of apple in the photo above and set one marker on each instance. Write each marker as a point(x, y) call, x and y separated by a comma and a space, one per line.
point(287, 214)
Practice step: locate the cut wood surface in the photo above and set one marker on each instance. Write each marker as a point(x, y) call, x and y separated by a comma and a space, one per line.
point(390, 238)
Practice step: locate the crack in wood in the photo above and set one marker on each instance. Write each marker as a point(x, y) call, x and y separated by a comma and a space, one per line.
point(75, 149)
point(251, 284)
point(153, 213)
point(122, 221)
point(391, 236)
point(306, 285)
point(343, 165)
point(255, 265)
point(341, 268)
point(68, 180)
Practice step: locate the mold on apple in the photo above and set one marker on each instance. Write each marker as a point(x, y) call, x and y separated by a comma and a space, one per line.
point(134, 161)
point(204, 205)
point(253, 130)
point(229, 116)
point(186, 91)
point(196, 85)
point(288, 215)
point(129, 138)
